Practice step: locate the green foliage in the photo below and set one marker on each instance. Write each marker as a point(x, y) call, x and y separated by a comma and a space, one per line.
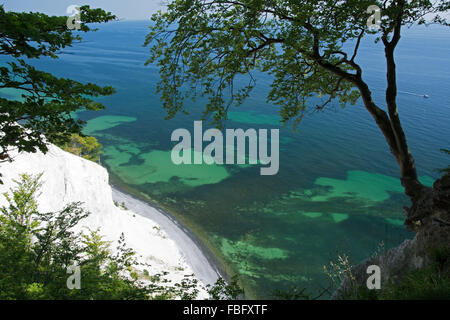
point(37, 248)
point(122, 206)
point(429, 283)
point(222, 290)
point(213, 49)
point(47, 102)
point(84, 146)
point(202, 47)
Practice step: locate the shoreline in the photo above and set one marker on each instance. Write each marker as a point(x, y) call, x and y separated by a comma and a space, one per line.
point(204, 264)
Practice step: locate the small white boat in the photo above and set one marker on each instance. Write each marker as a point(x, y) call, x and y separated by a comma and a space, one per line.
point(415, 94)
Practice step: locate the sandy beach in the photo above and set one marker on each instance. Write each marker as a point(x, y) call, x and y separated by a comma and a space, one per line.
point(203, 268)
point(154, 235)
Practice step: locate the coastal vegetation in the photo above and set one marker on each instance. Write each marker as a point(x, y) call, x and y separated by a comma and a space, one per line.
point(310, 50)
point(37, 249)
point(44, 108)
point(86, 147)
point(121, 205)
point(206, 46)
point(431, 282)
point(428, 283)
point(301, 45)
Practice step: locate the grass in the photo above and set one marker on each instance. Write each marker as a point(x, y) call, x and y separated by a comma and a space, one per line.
point(429, 283)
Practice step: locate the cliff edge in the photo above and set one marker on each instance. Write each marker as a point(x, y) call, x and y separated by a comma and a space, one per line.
point(68, 178)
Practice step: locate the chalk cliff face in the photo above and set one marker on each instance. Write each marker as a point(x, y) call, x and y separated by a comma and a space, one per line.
point(68, 178)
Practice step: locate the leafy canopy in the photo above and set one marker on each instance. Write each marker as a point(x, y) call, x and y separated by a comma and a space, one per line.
point(86, 147)
point(47, 102)
point(203, 46)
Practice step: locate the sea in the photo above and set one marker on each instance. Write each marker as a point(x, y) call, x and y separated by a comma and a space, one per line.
point(337, 192)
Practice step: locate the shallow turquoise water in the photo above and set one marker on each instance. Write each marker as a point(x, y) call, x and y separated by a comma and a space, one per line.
point(337, 189)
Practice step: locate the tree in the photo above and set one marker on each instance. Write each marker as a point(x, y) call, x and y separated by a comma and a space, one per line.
point(84, 146)
point(37, 248)
point(221, 290)
point(45, 111)
point(309, 47)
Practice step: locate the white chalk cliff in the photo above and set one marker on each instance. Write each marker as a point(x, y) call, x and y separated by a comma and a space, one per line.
point(67, 178)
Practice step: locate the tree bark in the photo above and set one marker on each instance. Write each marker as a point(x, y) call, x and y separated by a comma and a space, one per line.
point(405, 160)
point(389, 123)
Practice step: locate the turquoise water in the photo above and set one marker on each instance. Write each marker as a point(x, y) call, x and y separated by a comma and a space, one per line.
point(337, 189)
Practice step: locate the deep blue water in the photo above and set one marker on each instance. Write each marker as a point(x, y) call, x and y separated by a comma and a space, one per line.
point(337, 188)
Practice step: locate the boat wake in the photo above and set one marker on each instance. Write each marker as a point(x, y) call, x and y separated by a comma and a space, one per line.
point(415, 94)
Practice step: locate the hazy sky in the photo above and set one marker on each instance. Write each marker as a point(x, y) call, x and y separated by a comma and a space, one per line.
point(127, 9)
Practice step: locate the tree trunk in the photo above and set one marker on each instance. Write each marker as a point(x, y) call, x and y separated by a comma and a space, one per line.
point(389, 123)
point(392, 130)
point(409, 178)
